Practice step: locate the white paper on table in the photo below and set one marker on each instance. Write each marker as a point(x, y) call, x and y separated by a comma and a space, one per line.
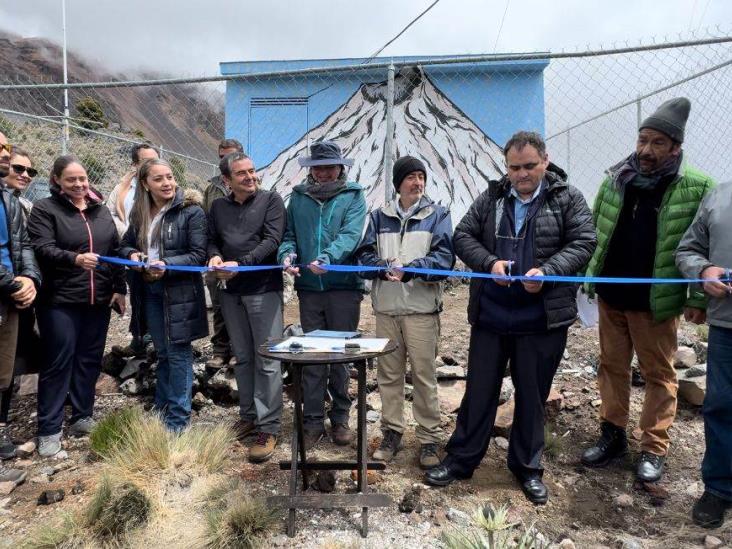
point(587, 310)
point(330, 344)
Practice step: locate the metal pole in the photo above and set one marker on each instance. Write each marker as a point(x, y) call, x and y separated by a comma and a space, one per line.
point(161, 151)
point(65, 135)
point(569, 152)
point(638, 114)
point(389, 141)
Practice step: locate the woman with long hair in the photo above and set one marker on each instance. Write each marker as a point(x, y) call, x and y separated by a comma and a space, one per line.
point(69, 230)
point(168, 228)
point(20, 177)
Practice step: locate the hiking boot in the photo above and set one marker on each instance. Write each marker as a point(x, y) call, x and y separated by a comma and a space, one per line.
point(49, 445)
point(217, 362)
point(391, 443)
point(7, 448)
point(82, 427)
point(12, 475)
point(341, 434)
point(709, 511)
point(263, 447)
point(650, 467)
point(613, 443)
point(243, 428)
point(311, 438)
point(428, 458)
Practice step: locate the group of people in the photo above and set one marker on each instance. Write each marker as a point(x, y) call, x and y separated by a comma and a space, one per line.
point(654, 217)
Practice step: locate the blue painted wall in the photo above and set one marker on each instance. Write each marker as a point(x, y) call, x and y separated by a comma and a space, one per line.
point(500, 97)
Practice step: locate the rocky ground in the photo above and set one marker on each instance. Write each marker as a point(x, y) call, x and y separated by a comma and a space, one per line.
point(587, 508)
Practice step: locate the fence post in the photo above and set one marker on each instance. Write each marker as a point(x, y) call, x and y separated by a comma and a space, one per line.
point(569, 152)
point(638, 114)
point(389, 140)
point(65, 130)
point(160, 152)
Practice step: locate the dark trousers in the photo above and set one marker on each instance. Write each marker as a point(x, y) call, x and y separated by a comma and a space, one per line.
point(534, 361)
point(73, 343)
point(717, 410)
point(220, 343)
point(332, 310)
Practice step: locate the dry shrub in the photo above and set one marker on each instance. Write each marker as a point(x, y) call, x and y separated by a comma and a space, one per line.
point(206, 448)
point(243, 524)
point(64, 534)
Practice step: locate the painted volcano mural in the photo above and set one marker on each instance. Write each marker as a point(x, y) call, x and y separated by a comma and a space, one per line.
point(427, 124)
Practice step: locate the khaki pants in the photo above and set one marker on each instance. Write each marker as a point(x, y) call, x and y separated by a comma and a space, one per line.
point(655, 345)
point(417, 336)
point(8, 345)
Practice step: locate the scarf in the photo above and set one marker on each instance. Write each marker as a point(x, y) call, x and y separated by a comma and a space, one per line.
point(627, 172)
point(322, 192)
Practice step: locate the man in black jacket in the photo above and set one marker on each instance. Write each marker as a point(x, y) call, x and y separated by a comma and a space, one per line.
point(245, 229)
point(532, 223)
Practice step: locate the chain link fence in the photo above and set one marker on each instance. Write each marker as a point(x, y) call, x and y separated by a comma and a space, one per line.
point(453, 112)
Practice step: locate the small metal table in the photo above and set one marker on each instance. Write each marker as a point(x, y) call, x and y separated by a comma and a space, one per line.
point(363, 498)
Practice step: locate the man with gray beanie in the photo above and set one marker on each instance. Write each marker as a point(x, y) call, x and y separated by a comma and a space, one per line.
point(643, 207)
point(410, 231)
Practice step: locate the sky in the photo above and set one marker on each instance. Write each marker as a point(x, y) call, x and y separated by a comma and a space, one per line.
point(186, 38)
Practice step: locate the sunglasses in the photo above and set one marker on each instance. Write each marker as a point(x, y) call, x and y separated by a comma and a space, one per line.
point(19, 169)
point(7, 146)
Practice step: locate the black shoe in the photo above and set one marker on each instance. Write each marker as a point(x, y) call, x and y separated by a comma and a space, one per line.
point(311, 438)
point(650, 467)
point(709, 511)
point(613, 443)
point(7, 448)
point(535, 491)
point(444, 474)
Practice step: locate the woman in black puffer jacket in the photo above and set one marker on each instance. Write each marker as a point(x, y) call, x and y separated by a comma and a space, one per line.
point(69, 230)
point(168, 227)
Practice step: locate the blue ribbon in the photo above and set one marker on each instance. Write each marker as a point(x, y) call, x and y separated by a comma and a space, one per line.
point(415, 270)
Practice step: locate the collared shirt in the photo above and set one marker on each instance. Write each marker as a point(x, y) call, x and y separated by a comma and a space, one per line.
point(404, 214)
point(521, 207)
point(153, 244)
point(130, 199)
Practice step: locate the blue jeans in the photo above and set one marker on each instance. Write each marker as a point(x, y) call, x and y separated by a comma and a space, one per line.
point(175, 363)
point(717, 409)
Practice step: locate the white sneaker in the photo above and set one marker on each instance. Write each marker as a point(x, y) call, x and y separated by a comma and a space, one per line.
point(12, 475)
point(82, 427)
point(50, 445)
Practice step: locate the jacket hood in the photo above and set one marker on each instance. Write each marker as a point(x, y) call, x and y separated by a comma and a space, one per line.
point(187, 197)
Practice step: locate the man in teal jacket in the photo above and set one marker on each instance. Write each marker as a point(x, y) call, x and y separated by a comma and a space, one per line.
point(642, 210)
point(325, 219)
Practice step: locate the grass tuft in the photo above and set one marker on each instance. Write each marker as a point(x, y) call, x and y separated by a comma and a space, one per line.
point(111, 432)
point(208, 448)
point(553, 443)
point(491, 529)
point(243, 525)
point(63, 534)
point(125, 509)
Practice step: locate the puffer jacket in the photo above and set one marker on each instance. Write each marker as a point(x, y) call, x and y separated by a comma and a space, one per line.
point(678, 208)
point(564, 241)
point(21, 252)
point(423, 240)
point(329, 232)
point(59, 231)
point(182, 242)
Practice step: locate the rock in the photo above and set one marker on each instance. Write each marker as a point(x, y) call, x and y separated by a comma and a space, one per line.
point(23, 463)
point(553, 404)
point(411, 501)
point(51, 496)
point(6, 488)
point(450, 395)
point(372, 416)
point(40, 479)
point(25, 450)
point(685, 357)
point(372, 477)
point(693, 390)
point(325, 481)
point(48, 471)
point(450, 361)
point(702, 349)
point(408, 391)
point(224, 380)
point(132, 368)
point(596, 403)
point(439, 518)
point(5, 502)
point(28, 385)
point(695, 489)
point(630, 543)
point(697, 370)
point(450, 372)
point(130, 387)
point(199, 401)
point(459, 517)
point(566, 543)
point(439, 362)
point(373, 401)
point(106, 385)
point(501, 443)
point(63, 454)
point(506, 391)
point(504, 419)
point(623, 501)
point(199, 370)
point(712, 542)
point(112, 364)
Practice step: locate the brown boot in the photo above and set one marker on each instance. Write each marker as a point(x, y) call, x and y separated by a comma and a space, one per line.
point(243, 429)
point(428, 458)
point(263, 448)
point(341, 434)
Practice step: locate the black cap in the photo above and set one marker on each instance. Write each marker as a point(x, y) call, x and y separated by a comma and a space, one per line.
point(403, 167)
point(670, 118)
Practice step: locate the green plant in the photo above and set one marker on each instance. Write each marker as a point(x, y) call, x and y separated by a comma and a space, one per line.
point(244, 524)
point(7, 128)
point(553, 443)
point(90, 114)
point(120, 510)
point(95, 169)
point(178, 167)
point(491, 530)
point(208, 447)
point(110, 433)
point(702, 332)
point(63, 534)
point(138, 133)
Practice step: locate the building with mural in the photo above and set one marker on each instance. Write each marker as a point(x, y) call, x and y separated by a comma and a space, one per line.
point(455, 117)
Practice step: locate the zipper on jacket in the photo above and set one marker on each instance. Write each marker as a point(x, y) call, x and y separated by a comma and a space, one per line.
point(91, 250)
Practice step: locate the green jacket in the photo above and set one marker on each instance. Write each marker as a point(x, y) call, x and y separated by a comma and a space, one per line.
point(329, 232)
point(678, 208)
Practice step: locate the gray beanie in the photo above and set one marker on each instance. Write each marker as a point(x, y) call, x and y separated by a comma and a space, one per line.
point(670, 118)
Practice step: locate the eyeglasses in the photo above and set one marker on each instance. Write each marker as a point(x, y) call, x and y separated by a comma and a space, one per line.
point(19, 169)
point(7, 146)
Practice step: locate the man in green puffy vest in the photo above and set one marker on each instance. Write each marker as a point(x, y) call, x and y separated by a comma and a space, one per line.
point(643, 207)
